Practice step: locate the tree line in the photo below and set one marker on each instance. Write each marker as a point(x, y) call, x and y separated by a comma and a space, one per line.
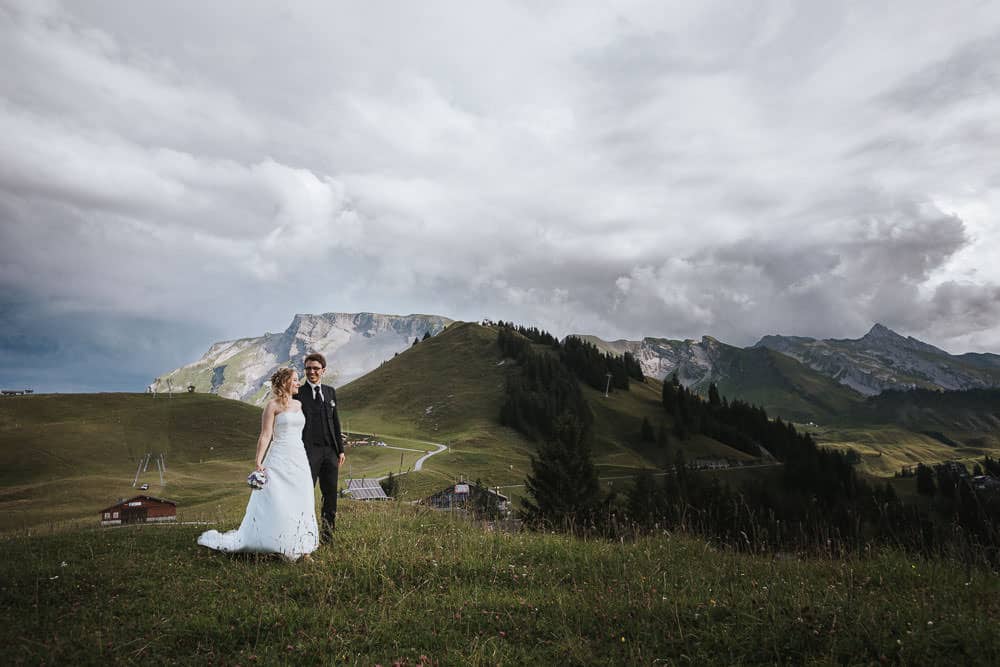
point(813, 498)
point(583, 358)
point(544, 402)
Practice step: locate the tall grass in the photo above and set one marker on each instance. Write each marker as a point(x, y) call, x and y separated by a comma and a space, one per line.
point(413, 586)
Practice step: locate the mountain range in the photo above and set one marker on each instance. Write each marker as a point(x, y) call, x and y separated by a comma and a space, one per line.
point(353, 344)
point(798, 377)
point(881, 359)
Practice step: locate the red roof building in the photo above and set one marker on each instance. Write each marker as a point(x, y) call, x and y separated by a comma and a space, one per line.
point(139, 509)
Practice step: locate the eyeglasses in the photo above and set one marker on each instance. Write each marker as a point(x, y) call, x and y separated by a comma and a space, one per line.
point(313, 369)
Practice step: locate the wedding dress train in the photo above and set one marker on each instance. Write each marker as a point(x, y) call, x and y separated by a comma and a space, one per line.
point(281, 517)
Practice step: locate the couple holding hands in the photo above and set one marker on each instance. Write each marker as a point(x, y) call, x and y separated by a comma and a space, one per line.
point(300, 442)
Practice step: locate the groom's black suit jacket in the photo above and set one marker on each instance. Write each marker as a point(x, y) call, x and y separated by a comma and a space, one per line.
point(322, 421)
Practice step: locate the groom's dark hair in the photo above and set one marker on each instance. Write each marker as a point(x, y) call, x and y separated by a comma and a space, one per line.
point(315, 356)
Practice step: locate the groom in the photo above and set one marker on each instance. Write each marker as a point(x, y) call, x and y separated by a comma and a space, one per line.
point(323, 440)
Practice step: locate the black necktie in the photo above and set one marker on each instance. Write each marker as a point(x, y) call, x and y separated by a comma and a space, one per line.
point(316, 395)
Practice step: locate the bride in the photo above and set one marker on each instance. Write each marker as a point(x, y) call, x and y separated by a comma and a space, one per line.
point(281, 517)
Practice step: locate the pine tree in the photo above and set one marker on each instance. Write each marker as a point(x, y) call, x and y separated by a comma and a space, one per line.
point(662, 439)
point(644, 498)
point(925, 480)
point(713, 395)
point(562, 486)
point(669, 396)
point(680, 431)
point(390, 485)
point(647, 431)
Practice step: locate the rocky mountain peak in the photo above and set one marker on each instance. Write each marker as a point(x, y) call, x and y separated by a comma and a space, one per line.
point(353, 343)
point(883, 359)
point(881, 332)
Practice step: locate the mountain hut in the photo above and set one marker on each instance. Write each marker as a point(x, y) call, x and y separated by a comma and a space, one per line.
point(139, 509)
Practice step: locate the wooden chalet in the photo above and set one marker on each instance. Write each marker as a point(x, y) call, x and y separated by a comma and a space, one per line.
point(139, 509)
point(465, 496)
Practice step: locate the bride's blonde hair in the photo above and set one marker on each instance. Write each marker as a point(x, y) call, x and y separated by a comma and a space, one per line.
point(279, 384)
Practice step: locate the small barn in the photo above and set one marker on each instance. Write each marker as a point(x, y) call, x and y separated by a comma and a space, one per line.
point(139, 509)
point(365, 489)
point(469, 497)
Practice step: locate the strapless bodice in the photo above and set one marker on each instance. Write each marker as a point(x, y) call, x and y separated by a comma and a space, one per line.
point(288, 426)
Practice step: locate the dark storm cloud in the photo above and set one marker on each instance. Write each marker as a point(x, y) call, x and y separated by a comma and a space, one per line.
point(836, 287)
point(68, 352)
point(960, 308)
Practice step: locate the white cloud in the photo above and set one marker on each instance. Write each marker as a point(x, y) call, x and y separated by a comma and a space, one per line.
point(627, 170)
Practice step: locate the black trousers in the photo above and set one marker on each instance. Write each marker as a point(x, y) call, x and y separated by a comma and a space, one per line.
point(324, 464)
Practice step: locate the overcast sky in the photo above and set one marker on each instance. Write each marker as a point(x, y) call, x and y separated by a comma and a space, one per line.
point(176, 173)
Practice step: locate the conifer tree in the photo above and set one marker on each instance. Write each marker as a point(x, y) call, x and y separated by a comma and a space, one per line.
point(925, 480)
point(644, 498)
point(713, 395)
point(647, 431)
point(668, 396)
point(563, 486)
point(390, 485)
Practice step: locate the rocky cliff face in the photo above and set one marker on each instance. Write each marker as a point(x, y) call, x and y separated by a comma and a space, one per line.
point(882, 359)
point(353, 344)
point(697, 363)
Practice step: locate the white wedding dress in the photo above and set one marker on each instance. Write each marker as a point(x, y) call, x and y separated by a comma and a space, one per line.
point(281, 517)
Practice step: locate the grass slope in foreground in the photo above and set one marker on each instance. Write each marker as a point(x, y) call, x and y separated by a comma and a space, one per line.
point(404, 583)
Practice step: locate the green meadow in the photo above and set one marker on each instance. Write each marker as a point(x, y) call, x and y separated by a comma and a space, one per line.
point(403, 585)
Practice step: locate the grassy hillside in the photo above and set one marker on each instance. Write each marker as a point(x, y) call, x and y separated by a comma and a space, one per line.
point(783, 386)
point(56, 435)
point(64, 457)
point(971, 411)
point(897, 429)
point(416, 587)
point(446, 389)
point(450, 388)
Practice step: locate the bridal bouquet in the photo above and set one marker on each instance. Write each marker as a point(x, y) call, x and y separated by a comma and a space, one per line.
point(256, 479)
